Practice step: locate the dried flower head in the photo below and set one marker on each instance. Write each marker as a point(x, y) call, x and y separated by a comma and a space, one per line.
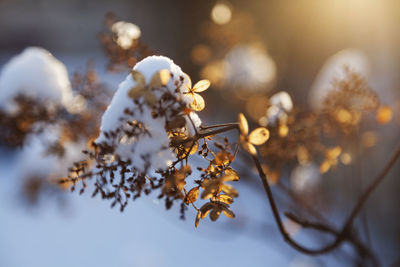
point(257, 137)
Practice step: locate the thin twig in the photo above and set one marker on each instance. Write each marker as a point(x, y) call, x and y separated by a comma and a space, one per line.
point(345, 233)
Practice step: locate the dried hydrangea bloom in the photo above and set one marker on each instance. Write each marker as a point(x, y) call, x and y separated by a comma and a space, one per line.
point(146, 107)
point(280, 105)
point(36, 74)
point(334, 69)
point(44, 159)
point(126, 33)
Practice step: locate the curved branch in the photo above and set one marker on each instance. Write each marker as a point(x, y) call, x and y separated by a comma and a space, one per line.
point(345, 233)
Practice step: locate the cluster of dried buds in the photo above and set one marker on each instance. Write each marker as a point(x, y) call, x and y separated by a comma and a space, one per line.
point(298, 137)
point(148, 140)
point(122, 44)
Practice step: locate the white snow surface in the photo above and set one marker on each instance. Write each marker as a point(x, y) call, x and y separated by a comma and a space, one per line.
point(155, 146)
point(35, 73)
point(281, 104)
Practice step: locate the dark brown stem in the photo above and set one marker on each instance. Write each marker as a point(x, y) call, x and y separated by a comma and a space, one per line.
point(231, 126)
point(371, 188)
point(278, 219)
point(345, 233)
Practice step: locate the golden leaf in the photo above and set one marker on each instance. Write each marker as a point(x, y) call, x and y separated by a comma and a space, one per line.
point(192, 195)
point(136, 92)
point(228, 213)
point(188, 147)
point(209, 191)
point(224, 199)
point(160, 78)
point(230, 176)
point(205, 209)
point(150, 98)
point(196, 223)
point(243, 125)
point(198, 103)
point(223, 158)
point(229, 190)
point(214, 215)
point(138, 77)
point(232, 172)
point(201, 86)
point(249, 148)
point(259, 136)
point(189, 82)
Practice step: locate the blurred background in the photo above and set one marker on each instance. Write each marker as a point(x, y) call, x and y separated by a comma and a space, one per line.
point(248, 50)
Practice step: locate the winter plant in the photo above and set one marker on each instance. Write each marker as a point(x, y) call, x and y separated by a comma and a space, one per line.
point(150, 137)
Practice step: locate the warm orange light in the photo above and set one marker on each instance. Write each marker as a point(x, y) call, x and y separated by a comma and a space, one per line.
point(221, 13)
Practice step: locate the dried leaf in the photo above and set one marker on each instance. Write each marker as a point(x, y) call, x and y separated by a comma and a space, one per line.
point(150, 98)
point(192, 195)
point(249, 148)
point(136, 92)
point(243, 125)
point(189, 82)
point(229, 190)
point(201, 86)
point(223, 158)
point(230, 177)
point(228, 213)
point(138, 77)
point(259, 136)
point(225, 199)
point(205, 209)
point(198, 103)
point(160, 79)
point(196, 223)
point(214, 215)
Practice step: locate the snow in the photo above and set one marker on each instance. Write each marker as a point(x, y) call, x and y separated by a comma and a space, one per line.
point(34, 159)
point(334, 68)
point(126, 33)
point(157, 144)
point(280, 104)
point(305, 178)
point(35, 73)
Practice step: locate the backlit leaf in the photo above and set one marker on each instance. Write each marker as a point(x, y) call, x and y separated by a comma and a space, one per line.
point(161, 78)
point(249, 148)
point(243, 125)
point(198, 217)
point(228, 213)
point(136, 92)
point(188, 84)
point(214, 215)
point(224, 199)
point(192, 195)
point(201, 86)
point(229, 190)
point(138, 77)
point(259, 136)
point(198, 103)
point(233, 173)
